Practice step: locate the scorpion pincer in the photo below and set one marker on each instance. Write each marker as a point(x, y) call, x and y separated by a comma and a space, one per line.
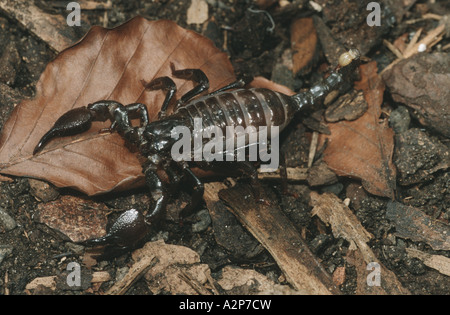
point(232, 105)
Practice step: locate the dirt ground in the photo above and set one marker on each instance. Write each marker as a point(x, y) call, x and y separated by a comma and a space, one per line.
point(29, 250)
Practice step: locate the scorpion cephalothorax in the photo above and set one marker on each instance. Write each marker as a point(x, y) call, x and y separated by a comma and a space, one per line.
point(232, 105)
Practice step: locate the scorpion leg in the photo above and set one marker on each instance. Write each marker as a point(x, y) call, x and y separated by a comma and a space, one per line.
point(196, 75)
point(248, 169)
point(159, 193)
point(126, 232)
point(239, 83)
point(76, 121)
point(132, 226)
point(197, 194)
point(79, 120)
point(166, 84)
point(136, 110)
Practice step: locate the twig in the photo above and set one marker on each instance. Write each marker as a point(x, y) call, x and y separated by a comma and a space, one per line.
point(6, 283)
point(193, 283)
point(414, 40)
point(47, 27)
point(393, 49)
point(293, 174)
point(428, 16)
point(331, 210)
point(269, 225)
point(313, 148)
point(211, 283)
point(134, 274)
point(432, 38)
point(437, 262)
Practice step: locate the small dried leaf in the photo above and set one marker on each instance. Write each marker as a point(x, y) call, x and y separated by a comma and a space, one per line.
point(106, 64)
point(304, 44)
point(363, 148)
point(350, 106)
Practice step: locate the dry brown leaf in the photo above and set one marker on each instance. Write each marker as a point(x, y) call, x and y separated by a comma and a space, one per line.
point(106, 64)
point(363, 148)
point(304, 44)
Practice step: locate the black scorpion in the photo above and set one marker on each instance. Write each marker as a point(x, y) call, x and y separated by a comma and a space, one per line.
point(232, 105)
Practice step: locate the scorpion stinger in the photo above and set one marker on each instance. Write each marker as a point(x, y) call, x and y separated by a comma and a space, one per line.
point(231, 106)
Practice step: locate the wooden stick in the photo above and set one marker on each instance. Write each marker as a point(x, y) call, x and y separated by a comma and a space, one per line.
point(134, 274)
point(293, 174)
point(268, 224)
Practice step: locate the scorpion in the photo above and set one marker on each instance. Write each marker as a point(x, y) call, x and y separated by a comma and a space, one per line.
point(232, 105)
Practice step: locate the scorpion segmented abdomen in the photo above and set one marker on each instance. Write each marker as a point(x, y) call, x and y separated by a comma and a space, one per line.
point(244, 107)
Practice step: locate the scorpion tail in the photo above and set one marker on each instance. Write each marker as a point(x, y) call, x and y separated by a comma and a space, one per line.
point(348, 62)
point(73, 122)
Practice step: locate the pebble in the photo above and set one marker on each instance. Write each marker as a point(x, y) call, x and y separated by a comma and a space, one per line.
point(203, 223)
point(197, 12)
point(5, 251)
point(6, 221)
point(400, 119)
point(42, 190)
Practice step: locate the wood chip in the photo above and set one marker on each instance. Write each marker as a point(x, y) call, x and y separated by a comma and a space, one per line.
point(52, 29)
point(247, 281)
point(48, 282)
point(177, 269)
point(136, 271)
point(330, 209)
point(437, 262)
point(197, 12)
point(414, 224)
point(276, 233)
point(293, 174)
point(319, 175)
point(350, 106)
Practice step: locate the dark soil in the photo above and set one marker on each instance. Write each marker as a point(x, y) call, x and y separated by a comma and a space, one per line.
point(30, 250)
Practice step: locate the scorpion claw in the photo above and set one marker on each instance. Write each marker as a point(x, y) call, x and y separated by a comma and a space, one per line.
point(71, 123)
point(124, 234)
